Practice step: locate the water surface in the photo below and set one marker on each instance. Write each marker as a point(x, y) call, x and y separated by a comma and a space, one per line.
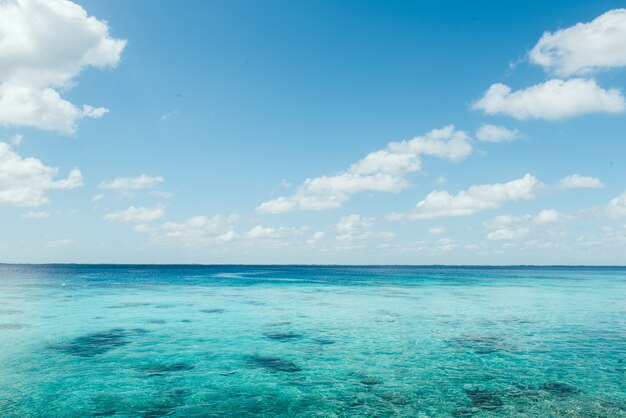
point(148, 341)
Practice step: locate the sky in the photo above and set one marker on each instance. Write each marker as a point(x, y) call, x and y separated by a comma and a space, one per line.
point(313, 132)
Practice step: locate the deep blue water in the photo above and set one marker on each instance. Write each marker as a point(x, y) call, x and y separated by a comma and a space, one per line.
point(89, 340)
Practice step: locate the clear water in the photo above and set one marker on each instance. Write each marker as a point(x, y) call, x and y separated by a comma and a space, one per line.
point(221, 341)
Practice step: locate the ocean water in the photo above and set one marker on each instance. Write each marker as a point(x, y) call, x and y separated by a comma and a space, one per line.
point(273, 341)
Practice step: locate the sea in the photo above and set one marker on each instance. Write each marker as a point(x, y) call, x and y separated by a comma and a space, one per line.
point(312, 341)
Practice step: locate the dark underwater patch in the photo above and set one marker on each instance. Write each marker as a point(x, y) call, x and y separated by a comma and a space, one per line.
point(560, 388)
point(156, 321)
point(274, 364)
point(394, 398)
point(11, 326)
point(10, 311)
point(484, 399)
point(214, 310)
point(128, 305)
point(371, 381)
point(482, 344)
point(161, 369)
point(324, 341)
point(282, 336)
point(97, 343)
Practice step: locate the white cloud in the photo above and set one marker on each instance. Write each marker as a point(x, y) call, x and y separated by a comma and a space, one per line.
point(494, 133)
point(355, 227)
point(36, 215)
point(97, 197)
point(547, 216)
point(353, 223)
point(617, 206)
point(60, 243)
point(437, 230)
point(132, 183)
point(439, 204)
point(552, 100)
point(197, 230)
point(446, 244)
point(136, 214)
point(316, 237)
point(509, 227)
point(380, 171)
point(260, 232)
point(584, 47)
point(508, 234)
point(576, 181)
point(17, 139)
point(25, 181)
point(45, 45)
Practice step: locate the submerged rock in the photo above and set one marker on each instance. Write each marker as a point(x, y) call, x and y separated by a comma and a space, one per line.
point(91, 345)
point(484, 399)
point(559, 388)
point(274, 364)
point(282, 336)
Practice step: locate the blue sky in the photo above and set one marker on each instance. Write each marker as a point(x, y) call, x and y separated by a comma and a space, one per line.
point(313, 132)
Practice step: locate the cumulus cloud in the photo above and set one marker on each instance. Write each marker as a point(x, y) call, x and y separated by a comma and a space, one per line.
point(584, 47)
point(509, 227)
point(25, 181)
point(197, 230)
point(617, 206)
point(576, 181)
point(508, 234)
point(316, 237)
point(136, 214)
point(261, 232)
point(380, 171)
point(494, 133)
point(45, 46)
point(440, 204)
point(354, 222)
point(132, 183)
point(552, 100)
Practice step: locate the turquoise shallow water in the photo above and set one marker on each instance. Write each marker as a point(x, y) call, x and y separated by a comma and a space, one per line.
point(311, 341)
